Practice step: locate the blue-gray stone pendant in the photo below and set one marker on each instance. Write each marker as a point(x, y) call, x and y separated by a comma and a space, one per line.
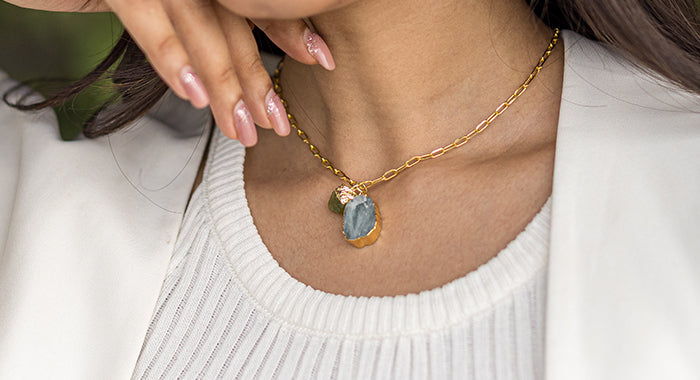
point(361, 221)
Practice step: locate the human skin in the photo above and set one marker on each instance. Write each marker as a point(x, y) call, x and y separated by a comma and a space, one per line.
point(411, 76)
point(283, 9)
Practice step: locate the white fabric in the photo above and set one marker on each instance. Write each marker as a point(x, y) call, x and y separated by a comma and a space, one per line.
point(84, 253)
point(228, 309)
point(624, 288)
point(86, 232)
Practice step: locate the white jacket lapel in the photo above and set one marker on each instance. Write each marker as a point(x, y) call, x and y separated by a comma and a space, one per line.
point(624, 280)
point(88, 242)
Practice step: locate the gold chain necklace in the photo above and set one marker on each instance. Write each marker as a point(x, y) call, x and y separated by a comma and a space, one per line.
point(361, 219)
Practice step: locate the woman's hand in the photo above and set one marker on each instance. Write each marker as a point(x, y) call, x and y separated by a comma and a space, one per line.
point(207, 54)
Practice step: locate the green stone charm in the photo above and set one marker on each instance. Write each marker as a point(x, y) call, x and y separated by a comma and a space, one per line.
point(335, 205)
point(339, 198)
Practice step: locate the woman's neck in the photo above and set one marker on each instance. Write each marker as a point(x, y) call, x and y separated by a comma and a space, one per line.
point(412, 75)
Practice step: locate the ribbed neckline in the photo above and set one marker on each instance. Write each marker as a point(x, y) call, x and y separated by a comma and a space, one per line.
point(297, 304)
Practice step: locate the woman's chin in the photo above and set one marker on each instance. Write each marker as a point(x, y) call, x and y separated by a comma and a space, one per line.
point(283, 9)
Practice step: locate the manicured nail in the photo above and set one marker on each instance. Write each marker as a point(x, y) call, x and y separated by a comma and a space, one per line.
point(194, 87)
point(276, 113)
point(318, 49)
point(245, 126)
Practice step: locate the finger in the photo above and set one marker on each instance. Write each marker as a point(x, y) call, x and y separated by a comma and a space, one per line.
point(298, 41)
point(197, 25)
point(264, 104)
point(152, 30)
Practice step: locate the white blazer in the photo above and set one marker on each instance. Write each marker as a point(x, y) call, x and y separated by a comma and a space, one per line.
point(87, 229)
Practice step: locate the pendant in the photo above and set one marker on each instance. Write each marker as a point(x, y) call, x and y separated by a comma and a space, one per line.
point(362, 222)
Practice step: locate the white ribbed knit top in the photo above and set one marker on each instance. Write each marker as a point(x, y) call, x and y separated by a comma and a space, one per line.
point(228, 310)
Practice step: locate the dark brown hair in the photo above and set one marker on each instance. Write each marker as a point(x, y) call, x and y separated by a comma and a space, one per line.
point(659, 35)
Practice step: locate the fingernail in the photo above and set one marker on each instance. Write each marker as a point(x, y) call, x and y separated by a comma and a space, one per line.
point(194, 87)
point(276, 113)
point(318, 49)
point(243, 121)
